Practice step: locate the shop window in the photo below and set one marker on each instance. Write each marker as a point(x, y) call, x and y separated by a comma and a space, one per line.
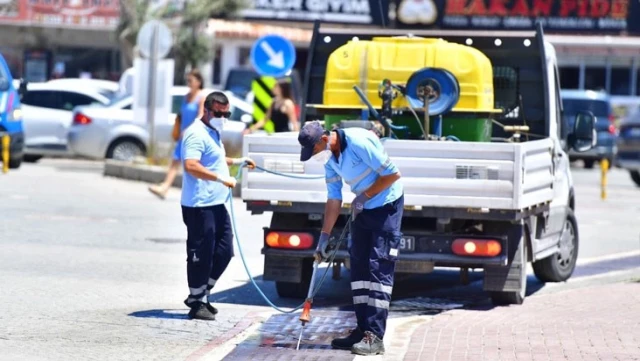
point(620, 81)
point(595, 78)
point(570, 77)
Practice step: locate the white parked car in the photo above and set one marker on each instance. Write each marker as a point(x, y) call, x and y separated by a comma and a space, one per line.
point(112, 132)
point(47, 110)
point(107, 88)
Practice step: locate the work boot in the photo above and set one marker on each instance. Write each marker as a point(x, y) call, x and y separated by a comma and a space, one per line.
point(194, 303)
point(201, 312)
point(348, 342)
point(370, 345)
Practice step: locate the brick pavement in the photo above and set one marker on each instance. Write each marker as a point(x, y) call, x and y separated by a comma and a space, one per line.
point(597, 323)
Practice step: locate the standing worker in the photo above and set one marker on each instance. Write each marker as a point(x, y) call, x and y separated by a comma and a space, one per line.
point(192, 108)
point(357, 156)
point(205, 191)
point(282, 111)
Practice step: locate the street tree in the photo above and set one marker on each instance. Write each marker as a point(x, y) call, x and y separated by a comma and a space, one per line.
point(193, 46)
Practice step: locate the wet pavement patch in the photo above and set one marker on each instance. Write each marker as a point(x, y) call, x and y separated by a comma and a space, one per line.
point(278, 336)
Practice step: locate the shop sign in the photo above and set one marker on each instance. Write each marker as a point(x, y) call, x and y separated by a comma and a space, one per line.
point(593, 16)
point(333, 11)
point(61, 13)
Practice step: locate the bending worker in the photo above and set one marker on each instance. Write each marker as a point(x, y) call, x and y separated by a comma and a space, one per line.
point(205, 190)
point(357, 156)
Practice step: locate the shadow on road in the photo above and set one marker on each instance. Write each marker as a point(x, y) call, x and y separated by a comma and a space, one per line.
point(439, 287)
point(166, 314)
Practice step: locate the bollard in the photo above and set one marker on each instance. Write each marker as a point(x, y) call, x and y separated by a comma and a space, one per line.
point(5, 152)
point(604, 167)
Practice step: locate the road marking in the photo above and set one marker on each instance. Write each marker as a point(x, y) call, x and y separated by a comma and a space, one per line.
point(585, 261)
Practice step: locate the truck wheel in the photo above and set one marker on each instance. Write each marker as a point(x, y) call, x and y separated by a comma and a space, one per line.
point(297, 290)
point(560, 266)
point(517, 271)
point(635, 176)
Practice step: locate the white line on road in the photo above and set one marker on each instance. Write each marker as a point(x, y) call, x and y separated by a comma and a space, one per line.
point(584, 261)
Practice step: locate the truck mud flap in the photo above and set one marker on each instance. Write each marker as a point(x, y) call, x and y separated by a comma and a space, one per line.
point(509, 278)
point(282, 269)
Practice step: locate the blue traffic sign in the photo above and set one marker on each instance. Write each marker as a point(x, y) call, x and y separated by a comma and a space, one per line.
point(273, 55)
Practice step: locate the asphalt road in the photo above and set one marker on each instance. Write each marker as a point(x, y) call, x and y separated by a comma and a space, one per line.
point(94, 267)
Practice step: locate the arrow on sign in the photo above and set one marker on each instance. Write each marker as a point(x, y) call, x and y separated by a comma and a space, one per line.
point(276, 60)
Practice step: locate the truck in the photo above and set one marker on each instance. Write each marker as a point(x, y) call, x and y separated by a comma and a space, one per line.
point(474, 126)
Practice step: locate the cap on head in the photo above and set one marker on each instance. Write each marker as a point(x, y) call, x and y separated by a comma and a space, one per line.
point(310, 134)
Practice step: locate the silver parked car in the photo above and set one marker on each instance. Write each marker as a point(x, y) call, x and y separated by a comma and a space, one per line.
point(47, 115)
point(111, 131)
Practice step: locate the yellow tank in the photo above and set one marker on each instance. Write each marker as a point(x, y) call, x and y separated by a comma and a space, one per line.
point(367, 63)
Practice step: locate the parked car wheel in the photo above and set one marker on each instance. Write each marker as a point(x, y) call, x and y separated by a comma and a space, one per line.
point(559, 267)
point(589, 163)
point(14, 163)
point(635, 176)
point(125, 149)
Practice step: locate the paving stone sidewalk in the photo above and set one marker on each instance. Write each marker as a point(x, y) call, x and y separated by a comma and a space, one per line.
point(596, 323)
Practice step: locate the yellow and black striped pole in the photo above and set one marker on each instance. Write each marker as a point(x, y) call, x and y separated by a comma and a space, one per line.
point(262, 99)
point(6, 141)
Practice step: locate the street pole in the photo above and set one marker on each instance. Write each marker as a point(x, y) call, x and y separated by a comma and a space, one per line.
point(151, 100)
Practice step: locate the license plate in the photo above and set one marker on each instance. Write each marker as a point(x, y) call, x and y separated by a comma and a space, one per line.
point(407, 244)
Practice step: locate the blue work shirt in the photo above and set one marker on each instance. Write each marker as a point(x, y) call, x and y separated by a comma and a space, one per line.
point(361, 162)
point(203, 143)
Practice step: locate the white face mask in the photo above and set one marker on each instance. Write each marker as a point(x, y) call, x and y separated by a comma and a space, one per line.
point(218, 123)
point(324, 156)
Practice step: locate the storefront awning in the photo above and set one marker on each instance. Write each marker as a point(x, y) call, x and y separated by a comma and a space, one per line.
point(225, 29)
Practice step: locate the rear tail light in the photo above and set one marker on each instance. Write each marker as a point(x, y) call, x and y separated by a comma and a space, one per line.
point(289, 240)
point(476, 247)
point(612, 124)
point(81, 119)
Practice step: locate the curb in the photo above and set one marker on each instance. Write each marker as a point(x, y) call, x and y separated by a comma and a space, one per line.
point(208, 351)
point(144, 173)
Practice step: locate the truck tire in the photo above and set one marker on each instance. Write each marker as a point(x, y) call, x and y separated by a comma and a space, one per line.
point(635, 176)
point(560, 266)
point(517, 270)
point(297, 290)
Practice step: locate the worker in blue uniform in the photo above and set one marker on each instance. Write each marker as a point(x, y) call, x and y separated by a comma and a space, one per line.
point(357, 156)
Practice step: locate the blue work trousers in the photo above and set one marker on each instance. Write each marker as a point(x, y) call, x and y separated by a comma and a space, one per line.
point(375, 236)
point(209, 248)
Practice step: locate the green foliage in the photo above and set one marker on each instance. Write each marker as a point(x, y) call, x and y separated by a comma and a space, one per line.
point(192, 45)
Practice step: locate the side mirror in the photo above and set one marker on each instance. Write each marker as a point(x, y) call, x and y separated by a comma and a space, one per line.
point(246, 119)
point(583, 137)
point(22, 89)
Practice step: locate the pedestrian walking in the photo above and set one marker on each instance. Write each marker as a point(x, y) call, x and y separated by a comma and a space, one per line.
point(282, 111)
point(190, 110)
point(357, 156)
point(205, 190)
